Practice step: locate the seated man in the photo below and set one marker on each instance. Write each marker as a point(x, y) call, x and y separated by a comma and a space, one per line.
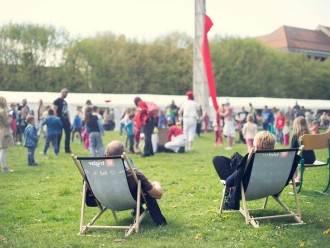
point(176, 140)
point(153, 190)
point(231, 169)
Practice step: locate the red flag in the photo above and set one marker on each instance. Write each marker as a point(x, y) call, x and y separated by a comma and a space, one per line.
point(205, 49)
point(208, 63)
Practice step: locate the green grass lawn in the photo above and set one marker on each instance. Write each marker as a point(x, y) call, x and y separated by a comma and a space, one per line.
point(40, 206)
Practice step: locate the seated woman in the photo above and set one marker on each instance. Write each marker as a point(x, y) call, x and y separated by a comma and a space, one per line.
point(232, 168)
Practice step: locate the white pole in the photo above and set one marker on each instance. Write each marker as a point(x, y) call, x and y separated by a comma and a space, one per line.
point(200, 87)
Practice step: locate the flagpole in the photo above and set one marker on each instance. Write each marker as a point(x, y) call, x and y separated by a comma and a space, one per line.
point(200, 87)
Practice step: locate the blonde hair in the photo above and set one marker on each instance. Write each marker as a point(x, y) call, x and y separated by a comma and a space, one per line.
point(264, 140)
point(30, 119)
point(300, 126)
point(3, 102)
point(249, 117)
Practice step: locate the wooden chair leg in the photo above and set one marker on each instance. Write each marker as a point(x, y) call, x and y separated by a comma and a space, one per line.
point(301, 175)
point(222, 199)
point(265, 203)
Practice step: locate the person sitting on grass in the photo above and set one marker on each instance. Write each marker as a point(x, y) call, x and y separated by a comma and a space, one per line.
point(232, 169)
point(153, 190)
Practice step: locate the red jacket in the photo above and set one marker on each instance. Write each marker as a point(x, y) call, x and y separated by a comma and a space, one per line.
point(280, 121)
point(175, 131)
point(143, 115)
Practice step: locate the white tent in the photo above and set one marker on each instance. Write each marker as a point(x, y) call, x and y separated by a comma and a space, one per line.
point(120, 101)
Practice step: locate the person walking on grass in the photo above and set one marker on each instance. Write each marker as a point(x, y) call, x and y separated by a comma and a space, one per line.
point(229, 127)
point(6, 137)
point(54, 129)
point(250, 130)
point(95, 130)
point(129, 127)
point(31, 139)
point(190, 112)
point(60, 107)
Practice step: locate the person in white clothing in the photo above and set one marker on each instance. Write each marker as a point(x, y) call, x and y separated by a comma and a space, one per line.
point(229, 128)
point(176, 140)
point(189, 112)
point(250, 130)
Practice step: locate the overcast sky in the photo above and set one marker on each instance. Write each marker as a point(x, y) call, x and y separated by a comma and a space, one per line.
point(148, 19)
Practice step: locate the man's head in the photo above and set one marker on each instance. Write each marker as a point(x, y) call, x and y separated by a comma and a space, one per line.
point(24, 102)
point(64, 93)
point(95, 109)
point(114, 148)
point(137, 100)
point(190, 95)
point(264, 140)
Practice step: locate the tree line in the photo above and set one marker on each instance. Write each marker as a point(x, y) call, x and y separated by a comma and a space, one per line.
point(45, 58)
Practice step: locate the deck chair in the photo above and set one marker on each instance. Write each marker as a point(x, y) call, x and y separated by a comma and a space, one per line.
point(315, 142)
point(106, 178)
point(266, 174)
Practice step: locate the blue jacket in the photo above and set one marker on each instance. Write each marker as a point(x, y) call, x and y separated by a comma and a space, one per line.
point(31, 136)
point(77, 122)
point(54, 125)
point(130, 128)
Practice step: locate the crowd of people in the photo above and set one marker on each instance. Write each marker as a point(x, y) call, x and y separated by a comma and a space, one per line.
point(140, 123)
point(20, 125)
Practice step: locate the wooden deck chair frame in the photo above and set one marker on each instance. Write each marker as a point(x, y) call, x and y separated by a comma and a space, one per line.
point(246, 212)
point(315, 142)
point(90, 225)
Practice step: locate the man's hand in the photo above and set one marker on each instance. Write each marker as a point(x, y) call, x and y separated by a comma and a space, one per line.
point(157, 191)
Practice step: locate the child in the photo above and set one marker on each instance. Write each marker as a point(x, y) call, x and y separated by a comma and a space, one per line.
point(54, 129)
point(299, 129)
point(85, 138)
point(286, 133)
point(130, 132)
point(250, 130)
point(95, 129)
point(279, 124)
point(314, 128)
point(31, 139)
point(76, 126)
point(206, 121)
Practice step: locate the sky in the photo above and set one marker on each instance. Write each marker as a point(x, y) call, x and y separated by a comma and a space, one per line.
point(149, 19)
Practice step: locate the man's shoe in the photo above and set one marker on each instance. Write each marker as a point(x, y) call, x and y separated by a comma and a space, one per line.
point(181, 150)
point(162, 223)
point(68, 152)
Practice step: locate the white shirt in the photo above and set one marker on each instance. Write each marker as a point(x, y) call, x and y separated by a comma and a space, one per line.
point(190, 109)
point(249, 130)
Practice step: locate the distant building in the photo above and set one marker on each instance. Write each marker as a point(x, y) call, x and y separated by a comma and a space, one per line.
point(314, 43)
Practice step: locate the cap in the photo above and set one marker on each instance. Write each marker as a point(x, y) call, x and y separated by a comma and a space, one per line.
point(189, 93)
